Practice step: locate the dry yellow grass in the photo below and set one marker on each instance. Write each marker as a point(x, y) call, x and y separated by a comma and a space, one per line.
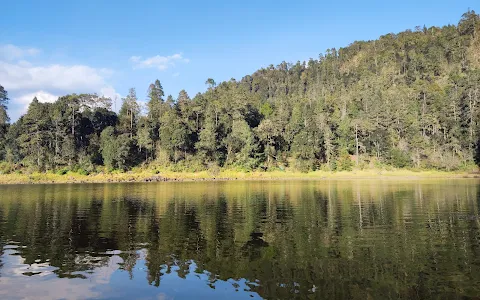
point(150, 175)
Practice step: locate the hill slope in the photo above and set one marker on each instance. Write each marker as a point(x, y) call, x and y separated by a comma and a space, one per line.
point(409, 100)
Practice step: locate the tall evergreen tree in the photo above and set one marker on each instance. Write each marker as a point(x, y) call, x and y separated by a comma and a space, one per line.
point(4, 120)
point(410, 99)
point(129, 113)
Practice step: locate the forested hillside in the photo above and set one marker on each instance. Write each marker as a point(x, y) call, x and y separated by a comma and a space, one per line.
point(406, 100)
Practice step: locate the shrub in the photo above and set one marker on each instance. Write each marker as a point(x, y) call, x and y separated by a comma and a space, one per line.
point(344, 162)
point(304, 165)
point(82, 171)
point(6, 167)
point(62, 171)
point(399, 158)
point(213, 169)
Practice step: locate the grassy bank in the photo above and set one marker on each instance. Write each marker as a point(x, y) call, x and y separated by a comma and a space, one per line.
point(154, 176)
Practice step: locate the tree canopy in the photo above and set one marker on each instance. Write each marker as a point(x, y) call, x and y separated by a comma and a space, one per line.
point(407, 100)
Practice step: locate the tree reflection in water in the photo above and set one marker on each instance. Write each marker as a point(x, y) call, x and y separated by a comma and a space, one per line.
point(335, 239)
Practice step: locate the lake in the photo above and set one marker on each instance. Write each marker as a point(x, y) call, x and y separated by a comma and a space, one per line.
point(332, 239)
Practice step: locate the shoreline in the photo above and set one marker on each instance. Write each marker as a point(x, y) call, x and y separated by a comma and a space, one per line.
point(227, 175)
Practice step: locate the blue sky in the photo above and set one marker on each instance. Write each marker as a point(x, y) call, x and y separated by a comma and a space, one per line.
point(51, 48)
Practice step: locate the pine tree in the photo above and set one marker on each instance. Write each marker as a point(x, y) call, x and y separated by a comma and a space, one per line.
point(129, 114)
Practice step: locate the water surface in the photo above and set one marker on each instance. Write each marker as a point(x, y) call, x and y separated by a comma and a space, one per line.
point(355, 239)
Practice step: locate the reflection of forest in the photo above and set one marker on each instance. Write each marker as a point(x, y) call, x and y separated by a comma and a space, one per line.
point(340, 239)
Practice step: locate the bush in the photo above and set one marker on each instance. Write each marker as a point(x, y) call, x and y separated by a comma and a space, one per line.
point(163, 158)
point(83, 172)
point(6, 167)
point(213, 169)
point(325, 167)
point(399, 158)
point(62, 171)
point(85, 165)
point(344, 162)
point(304, 165)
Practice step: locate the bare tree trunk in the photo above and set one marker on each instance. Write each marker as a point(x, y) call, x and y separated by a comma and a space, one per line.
point(38, 148)
point(356, 142)
point(56, 142)
point(73, 122)
point(470, 104)
point(131, 123)
point(423, 112)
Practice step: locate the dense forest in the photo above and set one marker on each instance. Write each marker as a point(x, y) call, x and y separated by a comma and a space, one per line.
point(406, 100)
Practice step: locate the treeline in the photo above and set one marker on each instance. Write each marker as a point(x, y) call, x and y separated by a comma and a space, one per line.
point(405, 100)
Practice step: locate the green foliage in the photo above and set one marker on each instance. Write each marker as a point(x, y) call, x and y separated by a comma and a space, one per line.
point(108, 147)
point(407, 100)
point(129, 114)
point(304, 165)
point(399, 158)
point(62, 171)
point(82, 171)
point(266, 110)
point(4, 119)
point(174, 136)
point(213, 169)
point(207, 144)
point(7, 167)
point(124, 156)
point(144, 137)
point(344, 162)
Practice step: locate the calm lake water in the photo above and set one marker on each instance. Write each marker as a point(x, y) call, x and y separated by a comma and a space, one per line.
point(356, 239)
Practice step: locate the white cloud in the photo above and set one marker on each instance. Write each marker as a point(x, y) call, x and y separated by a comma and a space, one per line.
point(176, 74)
point(15, 285)
point(11, 52)
point(109, 91)
point(20, 103)
point(42, 96)
point(21, 76)
point(159, 62)
point(24, 80)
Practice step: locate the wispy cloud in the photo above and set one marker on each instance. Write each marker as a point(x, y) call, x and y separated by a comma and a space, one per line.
point(12, 52)
point(25, 80)
point(159, 62)
point(24, 100)
point(21, 76)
